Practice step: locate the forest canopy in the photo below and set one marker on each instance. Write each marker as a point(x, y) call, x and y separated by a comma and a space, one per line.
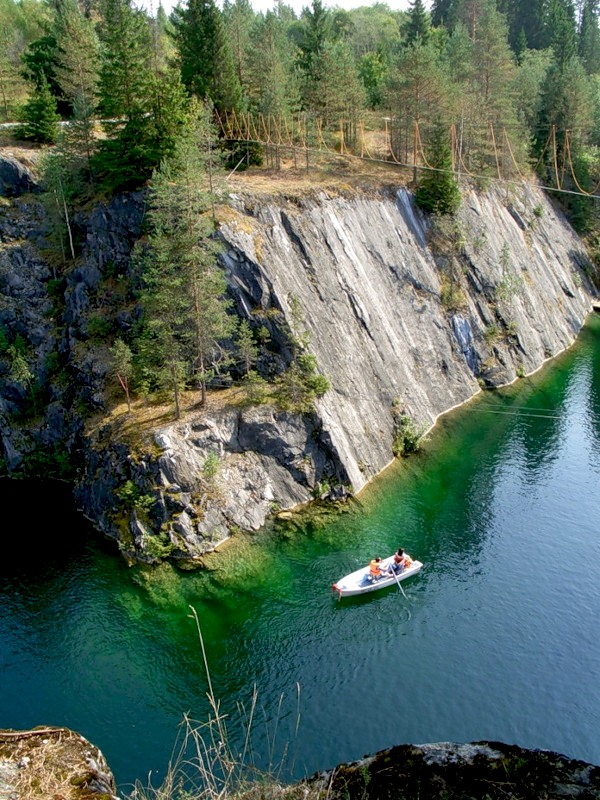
point(479, 87)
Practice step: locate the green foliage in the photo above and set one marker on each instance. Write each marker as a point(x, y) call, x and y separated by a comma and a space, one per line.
point(256, 389)
point(272, 82)
point(417, 27)
point(142, 101)
point(210, 466)
point(40, 62)
point(53, 363)
point(185, 324)
point(321, 489)
point(511, 283)
point(240, 155)
point(98, 326)
point(122, 365)
point(205, 55)
point(19, 370)
point(49, 462)
point(298, 388)
point(246, 346)
point(39, 117)
point(131, 497)
point(438, 192)
point(77, 54)
point(407, 436)
point(491, 333)
point(158, 548)
point(136, 147)
point(372, 71)
point(451, 295)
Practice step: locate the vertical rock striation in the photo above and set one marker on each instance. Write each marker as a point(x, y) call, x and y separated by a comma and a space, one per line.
point(406, 316)
point(398, 321)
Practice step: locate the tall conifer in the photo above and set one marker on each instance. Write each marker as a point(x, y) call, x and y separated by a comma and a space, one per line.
point(417, 25)
point(185, 319)
point(204, 55)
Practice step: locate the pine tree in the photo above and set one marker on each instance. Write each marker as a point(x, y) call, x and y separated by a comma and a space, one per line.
point(442, 13)
point(315, 34)
point(126, 69)
point(246, 347)
point(77, 59)
point(418, 95)
point(122, 363)
point(40, 60)
point(144, 107)
point(62, 183)
point(438, 192)
point(529, 18)
point(39, 116)
point(340, 97)
point(530, 80)
point(417, 27)
point(589, 37)
point(566, 105)
point(239, 20)
point(12, 83)
point(484, 91)
point(272, 86)
point(561, 30)
point(205, 57)
point(185, 319)
point(77, 75)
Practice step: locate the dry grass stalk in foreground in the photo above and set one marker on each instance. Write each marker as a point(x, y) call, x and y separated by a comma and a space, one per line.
point(204, 766)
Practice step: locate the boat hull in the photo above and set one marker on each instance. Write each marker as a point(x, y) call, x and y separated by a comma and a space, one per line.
point(359, 582)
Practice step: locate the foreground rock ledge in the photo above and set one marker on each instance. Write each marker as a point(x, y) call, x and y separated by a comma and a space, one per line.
point(476, 771)
point(59, 763)
point(53, 764)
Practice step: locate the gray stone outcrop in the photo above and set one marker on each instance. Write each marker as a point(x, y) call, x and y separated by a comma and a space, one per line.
point(407, 319)
point(372, 294)
point(15, 178)
point(472, 771)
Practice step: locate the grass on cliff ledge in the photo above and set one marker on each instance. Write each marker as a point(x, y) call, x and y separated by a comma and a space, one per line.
point(147, 415)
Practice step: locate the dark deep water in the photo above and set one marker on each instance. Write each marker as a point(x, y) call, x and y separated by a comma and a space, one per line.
point(498, 638)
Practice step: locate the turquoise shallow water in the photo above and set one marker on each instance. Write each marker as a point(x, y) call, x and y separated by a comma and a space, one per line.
point(497, 639)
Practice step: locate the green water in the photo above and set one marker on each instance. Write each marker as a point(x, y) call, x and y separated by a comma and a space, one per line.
point(497, 637)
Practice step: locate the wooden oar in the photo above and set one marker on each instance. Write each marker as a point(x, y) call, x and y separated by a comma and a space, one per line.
point(398, 582)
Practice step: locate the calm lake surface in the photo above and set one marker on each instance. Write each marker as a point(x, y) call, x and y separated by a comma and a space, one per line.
point(497, 639)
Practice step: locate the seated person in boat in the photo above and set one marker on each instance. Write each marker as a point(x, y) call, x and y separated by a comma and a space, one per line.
point(400, 561)
point(375, 571)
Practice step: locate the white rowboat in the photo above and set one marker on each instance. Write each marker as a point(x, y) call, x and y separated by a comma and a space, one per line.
point(361, 582)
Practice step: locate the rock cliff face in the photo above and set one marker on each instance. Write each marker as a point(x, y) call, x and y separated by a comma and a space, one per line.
point(406, 318)
point(403, 317)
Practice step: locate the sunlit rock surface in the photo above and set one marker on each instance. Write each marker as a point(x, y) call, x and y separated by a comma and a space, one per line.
point(375, 299)
point(405, 318)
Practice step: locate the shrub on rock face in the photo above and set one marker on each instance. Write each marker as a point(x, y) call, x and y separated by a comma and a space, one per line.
point(300, 385)
point(438, 192)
